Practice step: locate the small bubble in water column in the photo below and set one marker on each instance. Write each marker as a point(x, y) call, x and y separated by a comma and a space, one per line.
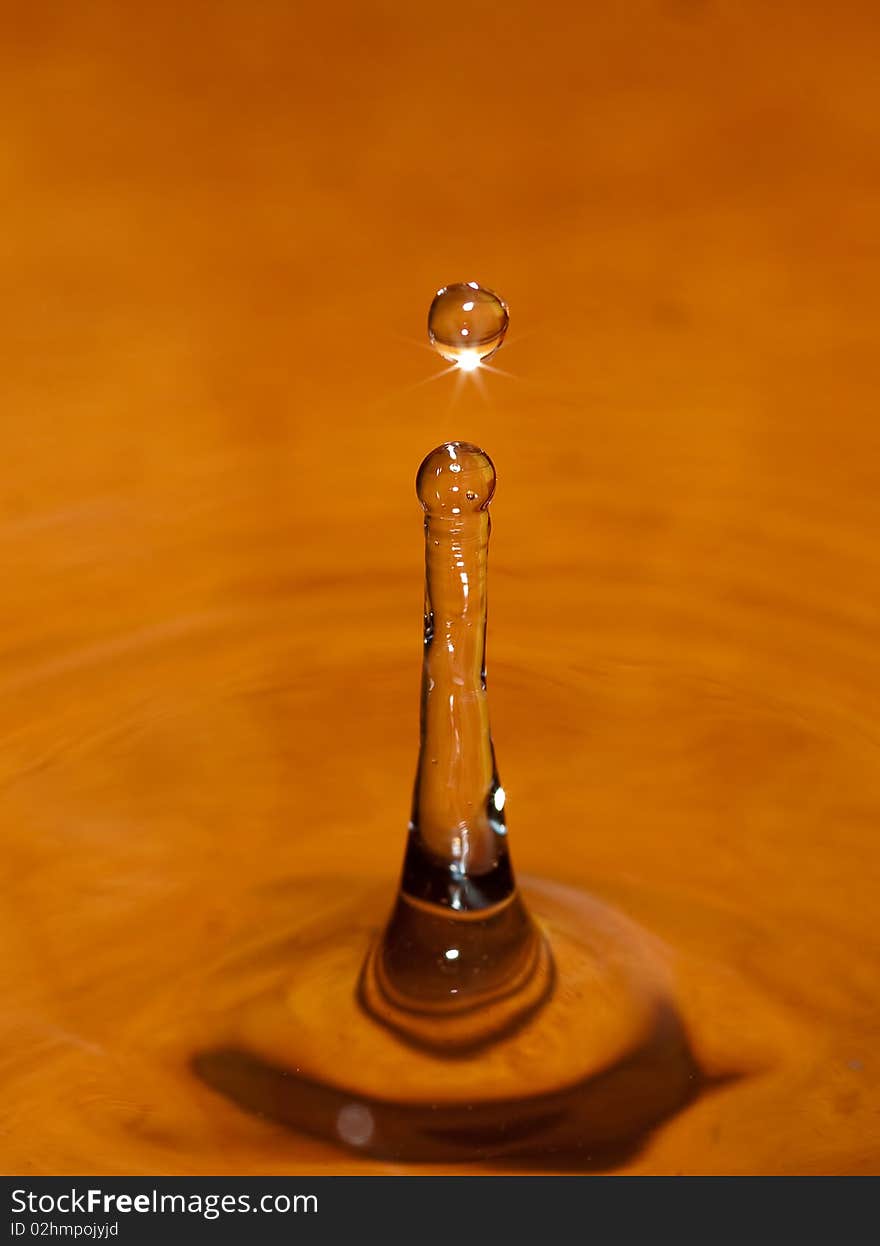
point(467, 323)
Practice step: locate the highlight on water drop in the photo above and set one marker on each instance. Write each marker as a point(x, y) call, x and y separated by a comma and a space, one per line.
point(467, 323)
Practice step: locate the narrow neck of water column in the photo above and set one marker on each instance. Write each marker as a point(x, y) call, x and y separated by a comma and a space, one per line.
point(457, 852)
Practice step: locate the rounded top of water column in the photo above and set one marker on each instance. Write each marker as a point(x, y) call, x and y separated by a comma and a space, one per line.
point(456, 479)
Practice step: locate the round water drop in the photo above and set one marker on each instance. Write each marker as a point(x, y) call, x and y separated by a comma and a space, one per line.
point(467, 323)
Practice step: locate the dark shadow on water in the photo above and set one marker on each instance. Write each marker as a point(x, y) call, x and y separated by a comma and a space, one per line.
point(597, 1124)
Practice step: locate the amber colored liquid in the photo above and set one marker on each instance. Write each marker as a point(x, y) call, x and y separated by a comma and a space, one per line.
point(467, 1025)
point(210, 619)
point(460, 959)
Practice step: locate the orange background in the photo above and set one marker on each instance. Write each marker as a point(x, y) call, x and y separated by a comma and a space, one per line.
point(223, 225)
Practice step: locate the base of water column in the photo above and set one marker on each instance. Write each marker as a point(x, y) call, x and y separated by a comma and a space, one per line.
point(603, 1061)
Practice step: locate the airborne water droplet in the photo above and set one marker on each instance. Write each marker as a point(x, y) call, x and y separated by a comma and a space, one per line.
point(467, 323)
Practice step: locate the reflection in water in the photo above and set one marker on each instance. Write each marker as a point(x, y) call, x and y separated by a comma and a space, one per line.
point(604, 1060)
point(598, 1123)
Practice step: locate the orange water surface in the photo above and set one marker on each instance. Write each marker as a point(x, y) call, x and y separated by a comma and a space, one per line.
point(223, 226)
